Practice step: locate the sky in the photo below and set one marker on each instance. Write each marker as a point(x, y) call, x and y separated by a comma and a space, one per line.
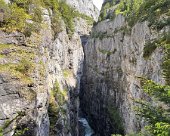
point(98, 3)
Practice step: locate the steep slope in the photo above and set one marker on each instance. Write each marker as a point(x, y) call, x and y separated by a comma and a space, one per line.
point(40, 67)
point(86, 7)
point(125, 46)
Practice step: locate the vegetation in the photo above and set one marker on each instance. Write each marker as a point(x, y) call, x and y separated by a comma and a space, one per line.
point(68, 16)
point(67, 73)
point(21, 69)
point(18, 12)
point(108, 53)
point(139, 10)
point(166, 63)
point(57, 100)
point(156, 115)
point(9, 122)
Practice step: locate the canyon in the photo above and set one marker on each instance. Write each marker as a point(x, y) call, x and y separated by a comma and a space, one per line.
point(80, 78)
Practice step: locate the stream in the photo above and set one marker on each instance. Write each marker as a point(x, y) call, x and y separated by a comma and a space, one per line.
point(88, 130)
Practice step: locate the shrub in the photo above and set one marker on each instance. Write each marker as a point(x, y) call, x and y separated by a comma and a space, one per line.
point(67, 14)
point(156, 115)
point(15, 18)
point(149, 48)
point(25, 67)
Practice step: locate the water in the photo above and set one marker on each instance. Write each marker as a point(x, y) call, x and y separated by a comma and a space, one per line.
point(88, 130)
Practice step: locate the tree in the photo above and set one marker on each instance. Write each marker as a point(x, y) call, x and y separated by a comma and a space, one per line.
point(157, 111)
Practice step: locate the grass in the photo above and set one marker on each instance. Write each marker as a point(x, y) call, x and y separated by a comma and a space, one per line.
point(19, 64)
point(5, 46)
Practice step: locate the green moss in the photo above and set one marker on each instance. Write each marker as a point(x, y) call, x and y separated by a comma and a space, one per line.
point(16, 72)
point(68, 16)
point(5, 46)
point(30, 28)
point(164, 42)
point(67, 73)
point(105, 52)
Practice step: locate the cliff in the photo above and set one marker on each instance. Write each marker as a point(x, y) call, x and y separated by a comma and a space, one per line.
point(122, 49)
point(63, 73)
point(41, 59)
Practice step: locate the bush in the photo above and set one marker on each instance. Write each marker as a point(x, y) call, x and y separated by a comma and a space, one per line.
point(15, 18)
point(68, 16)
point(25, 67)
point(149, 48)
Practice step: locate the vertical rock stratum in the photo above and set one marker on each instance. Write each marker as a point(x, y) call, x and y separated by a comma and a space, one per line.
point(41, 59)
point(63, 73)
point(121, 50)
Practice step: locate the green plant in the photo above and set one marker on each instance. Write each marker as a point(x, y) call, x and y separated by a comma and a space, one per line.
point(149, 48)
point(67, 73)
point(25, 67)
point(57, 100)
point(16, 18)
point(20, 132)
point(157, 115)
point(141, 10)
point(67, 14)
point(166, 65)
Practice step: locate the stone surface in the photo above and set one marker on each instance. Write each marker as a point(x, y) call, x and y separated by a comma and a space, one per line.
point(86, 7)
point(113, 66)
point(24, 104)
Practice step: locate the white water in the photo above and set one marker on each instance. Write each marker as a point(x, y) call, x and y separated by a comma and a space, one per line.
point(88, 130)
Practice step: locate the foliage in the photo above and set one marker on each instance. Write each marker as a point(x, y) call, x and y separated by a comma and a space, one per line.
point(57, 100)
point(15, 18)
point(20, 132)
point(18, 12)
point(149, 48)
point(8, 122)
point(30, 28)
point(140, 10)
point(166, 63)
point(25, 67)
point(157, 114)
point(67, 14)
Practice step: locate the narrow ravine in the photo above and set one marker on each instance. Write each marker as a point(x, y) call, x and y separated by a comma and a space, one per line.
point(87, 129)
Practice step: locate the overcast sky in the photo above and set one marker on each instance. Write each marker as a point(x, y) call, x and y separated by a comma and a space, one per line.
point(98, 3)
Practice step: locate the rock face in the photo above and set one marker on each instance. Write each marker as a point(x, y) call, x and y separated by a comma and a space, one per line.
point(85, 6)
point(40, 78)
point(113, 66)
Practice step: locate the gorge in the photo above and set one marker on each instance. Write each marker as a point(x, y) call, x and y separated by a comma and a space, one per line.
point(68, 70)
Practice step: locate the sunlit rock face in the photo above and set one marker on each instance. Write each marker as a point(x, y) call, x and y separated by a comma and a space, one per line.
point(113, 66)
point(55, 62)
point(85, 6)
